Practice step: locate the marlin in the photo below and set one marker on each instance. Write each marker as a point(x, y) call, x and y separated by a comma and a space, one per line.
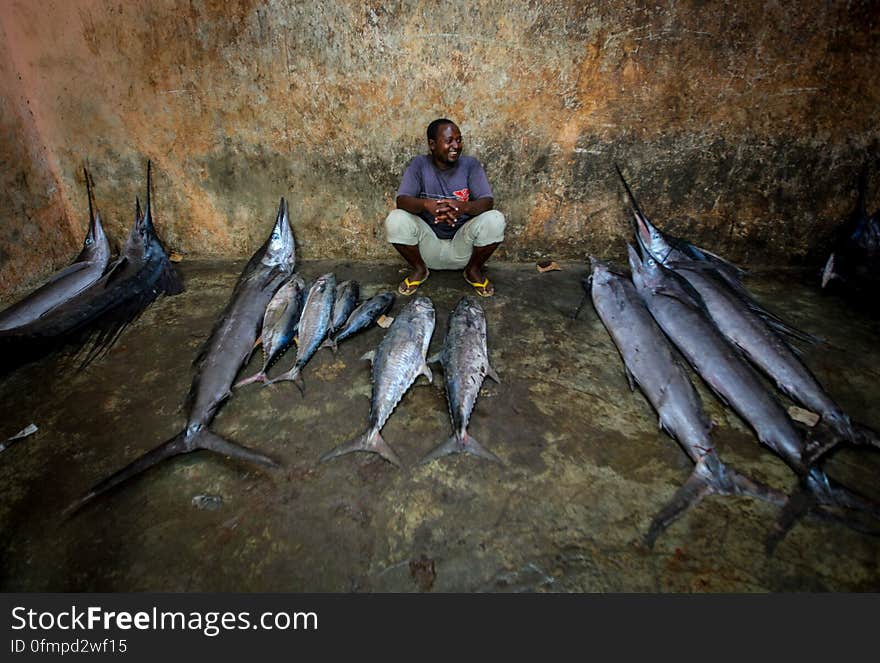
point(223, 355)
point(649, 363)
point(102, 311)
point(397, 363)
point(465, 361)
point(681, 314)
point(86, 268)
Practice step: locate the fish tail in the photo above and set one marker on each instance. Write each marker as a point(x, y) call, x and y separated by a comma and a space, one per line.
point(709, 477)
point(292, 374)
point(179, 444)
point(370, 441)
point(173, 447)
point(256, 377)
point(818, 495)
point(464, 444)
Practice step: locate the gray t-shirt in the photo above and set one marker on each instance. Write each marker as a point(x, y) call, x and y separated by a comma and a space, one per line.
point(464, 181)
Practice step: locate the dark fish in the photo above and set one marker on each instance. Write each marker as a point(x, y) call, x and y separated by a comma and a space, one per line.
point(313, 326)
point(280, 323)
point(362, 317)
point(465, 361)
point(347, 295)
point(397, 362)
point(225, 352)
point(103, 310)
point(649, 363)
point(87, 268)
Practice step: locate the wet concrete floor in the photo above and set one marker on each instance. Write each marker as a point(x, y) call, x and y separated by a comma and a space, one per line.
point(585, 466)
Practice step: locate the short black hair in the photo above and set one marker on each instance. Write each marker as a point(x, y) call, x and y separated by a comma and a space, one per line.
point(435, 126)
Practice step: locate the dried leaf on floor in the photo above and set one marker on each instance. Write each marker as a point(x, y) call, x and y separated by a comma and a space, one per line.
point(548, 266)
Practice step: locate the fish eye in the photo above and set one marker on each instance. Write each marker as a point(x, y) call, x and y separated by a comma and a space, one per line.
point(88, 240)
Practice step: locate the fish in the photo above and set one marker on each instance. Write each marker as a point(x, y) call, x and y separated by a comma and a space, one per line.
point(668, 249)
point(280, 322)
point(347, 296)
point(649, 363)
point(86, 268)
point(97, 315)
point(748, 331)
point(465, 361)
point(854, 261)
point(396, 364)
point(222, 356)
point(681, 314)
point(362, 317)
point(313, 327)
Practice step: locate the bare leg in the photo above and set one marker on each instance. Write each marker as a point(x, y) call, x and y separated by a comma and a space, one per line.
point(473, 271)
point(413, 256)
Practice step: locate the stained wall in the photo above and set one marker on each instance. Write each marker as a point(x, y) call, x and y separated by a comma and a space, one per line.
point(741, 125)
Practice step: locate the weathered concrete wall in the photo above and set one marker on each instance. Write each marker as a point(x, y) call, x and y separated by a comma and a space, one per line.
point(742, 125)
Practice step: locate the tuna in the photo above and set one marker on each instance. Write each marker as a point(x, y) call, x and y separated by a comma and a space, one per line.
point(102, 311)
point(465, 361)
point(347, 296)
point(280, 322)
point(361, 318)
point(87, 268)
point(313, 327)
point(649, 363)
point(223, 355)
point(397, 363)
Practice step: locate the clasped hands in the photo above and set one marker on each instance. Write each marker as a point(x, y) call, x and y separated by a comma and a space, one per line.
point(445, 211)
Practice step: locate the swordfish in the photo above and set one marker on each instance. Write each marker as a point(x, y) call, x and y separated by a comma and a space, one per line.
point(224, 354)
point(649, 363)
point(87, 268)
point(681, 314)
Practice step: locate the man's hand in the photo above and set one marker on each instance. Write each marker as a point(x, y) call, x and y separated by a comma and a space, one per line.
point(444, 211)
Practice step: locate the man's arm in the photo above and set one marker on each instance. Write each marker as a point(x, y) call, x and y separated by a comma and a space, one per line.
point(416, 205)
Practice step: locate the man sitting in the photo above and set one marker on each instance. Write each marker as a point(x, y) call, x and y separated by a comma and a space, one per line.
point(444, 217)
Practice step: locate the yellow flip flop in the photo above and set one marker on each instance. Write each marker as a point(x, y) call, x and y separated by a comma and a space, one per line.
point(484, 289)
point(408, 287)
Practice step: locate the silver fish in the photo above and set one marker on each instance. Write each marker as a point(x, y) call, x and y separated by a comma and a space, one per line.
point(649, 363)
point(465, 361)
point(280, 323)
point(347, 295)
point(362, 317)
point(397, 362)
point(87, 268)
point(221, 358)
point(313, 326)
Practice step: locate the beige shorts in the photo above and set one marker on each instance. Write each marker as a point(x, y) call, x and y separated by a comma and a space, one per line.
point(401, 227)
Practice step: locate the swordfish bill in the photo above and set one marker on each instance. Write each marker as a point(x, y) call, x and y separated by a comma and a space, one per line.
point(397, 363)
point(649, 362)
point(86, 268)
point(226, 351)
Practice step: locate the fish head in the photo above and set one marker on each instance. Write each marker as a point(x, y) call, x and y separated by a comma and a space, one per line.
point(96, 246)
point(280, 248)
point(651, 237)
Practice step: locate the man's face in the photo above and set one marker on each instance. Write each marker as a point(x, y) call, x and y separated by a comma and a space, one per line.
point(446, 148)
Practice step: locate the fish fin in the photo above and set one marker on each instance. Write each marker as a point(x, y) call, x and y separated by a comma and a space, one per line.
point(427, 373)
point(434, 358)
point(208, 439)
point(710, 476)
point(630, 379)
point(115, 271)
point(680, 295)
point(490, 373)
point(465, 445)
point(67, 271)
point(828, 274)
point(292, 374)
point(300, 384)
point(173, 447)
point(256, 377)
point(367, 442)
point(369, 356)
